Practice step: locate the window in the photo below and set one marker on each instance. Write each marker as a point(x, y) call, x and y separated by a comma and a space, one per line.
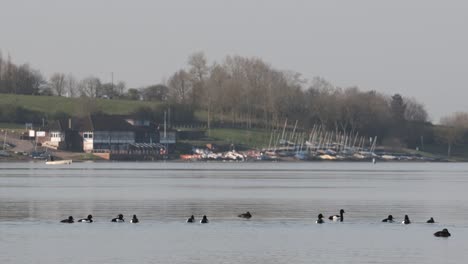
point(88, 135)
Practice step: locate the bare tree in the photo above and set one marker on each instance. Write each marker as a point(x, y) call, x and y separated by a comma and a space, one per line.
point(180, 87)
point(198, 66)
point(58, 84)
point(89, 87)
point(415, 111)
point(120, 88)
point(453, 128)
point(71, 86)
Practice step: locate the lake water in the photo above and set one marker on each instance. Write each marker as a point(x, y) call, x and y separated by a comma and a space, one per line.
point(284, 198)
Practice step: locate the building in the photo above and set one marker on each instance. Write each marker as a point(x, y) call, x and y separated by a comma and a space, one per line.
point(123, 137)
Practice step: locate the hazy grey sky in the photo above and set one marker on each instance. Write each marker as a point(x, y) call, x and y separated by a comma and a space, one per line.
point(414, 47)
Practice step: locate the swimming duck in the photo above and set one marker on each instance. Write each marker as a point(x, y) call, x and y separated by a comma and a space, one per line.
point(245, 215)
point(406, 221)
point(191, 219)
point(134, 220)
point(204, 220)
point(88, 219)
point(69, 220)
point(443, 233)
point(389, 219)
point(337, 217)
point(119, 219)
point(430, 221)
point(320, 219)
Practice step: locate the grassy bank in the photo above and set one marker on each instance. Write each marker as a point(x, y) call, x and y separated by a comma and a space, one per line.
point(57, 104)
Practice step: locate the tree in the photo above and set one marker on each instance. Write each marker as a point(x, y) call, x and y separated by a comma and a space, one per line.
point(398, 108)
point(180, 87)
point(90, 87)
point(71, 86)
point(133, 94)
point(57, 83)
point(415, 111)
point(120, 88)
point(158, 92)
point(452, 130)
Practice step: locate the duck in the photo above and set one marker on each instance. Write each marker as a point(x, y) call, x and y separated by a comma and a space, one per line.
point(246, 215)
point(204, 220)
point(430, 221)
point(406, 221)
point(389, 219)
point(69, 220)
point(134, 219)
point(88, 219)
point(320, 219)
point(118, 219)
point(191, 219)
point(443, 233)
point(337, 217)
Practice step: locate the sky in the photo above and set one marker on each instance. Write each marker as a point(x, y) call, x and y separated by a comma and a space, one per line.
point(414, 47)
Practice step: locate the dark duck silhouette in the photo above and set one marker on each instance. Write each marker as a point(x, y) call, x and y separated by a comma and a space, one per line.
point(204, 220)
point(118, 219)
point(443, 233)
point(389, 219)
point(320, 219)
point(134, 219)
point(337, 217)
point(88, 219)
point(191, 219)
point(246, 215)
point(69, 220)
point(406, 221)
point(430, 221)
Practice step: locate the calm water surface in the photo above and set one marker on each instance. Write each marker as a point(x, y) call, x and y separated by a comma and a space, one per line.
point(284, 199)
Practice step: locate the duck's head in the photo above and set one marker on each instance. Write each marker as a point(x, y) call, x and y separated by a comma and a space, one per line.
point(120, 216)
point(406, 217)
point(342, 211)
point(134, 216)
point(445, 230)
point(320, 216)
point(90, 217)
point(204, 217)
point(70, 218)
point(390, 217)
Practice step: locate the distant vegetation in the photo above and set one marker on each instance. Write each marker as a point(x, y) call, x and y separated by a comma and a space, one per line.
point(237, 92)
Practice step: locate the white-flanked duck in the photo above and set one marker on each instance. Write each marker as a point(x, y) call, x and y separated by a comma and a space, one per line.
point(191, 219)
point(69, 220)
point(118, 219)
point(246, 215)
point(337, 217)
point(88, 219)
point(443, 233)
point(204, 220)
point(389, 219)
point(134, 219)
point(320, 219)
point(430, 221)
point(406, 221)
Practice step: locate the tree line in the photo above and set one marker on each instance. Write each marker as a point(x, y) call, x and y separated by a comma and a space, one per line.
point(248, 92)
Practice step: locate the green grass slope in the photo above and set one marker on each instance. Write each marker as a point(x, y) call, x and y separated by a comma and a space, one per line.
point(56, 104)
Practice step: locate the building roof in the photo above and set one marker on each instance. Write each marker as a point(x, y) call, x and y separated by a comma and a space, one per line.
point(109, 123)
point(95, 122)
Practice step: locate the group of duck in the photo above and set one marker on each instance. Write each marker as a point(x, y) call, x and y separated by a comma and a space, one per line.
point(389, 219)
point(248, 215)
point(89, 219)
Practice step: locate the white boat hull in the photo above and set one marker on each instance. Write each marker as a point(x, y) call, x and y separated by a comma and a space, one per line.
point(58, 162)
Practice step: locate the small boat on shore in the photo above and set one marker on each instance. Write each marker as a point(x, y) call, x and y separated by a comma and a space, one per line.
point(58, 162)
